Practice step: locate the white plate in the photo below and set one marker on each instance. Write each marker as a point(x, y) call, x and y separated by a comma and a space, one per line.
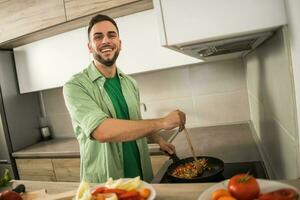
point(151, 188)
point(264, 185)
point(143, 184)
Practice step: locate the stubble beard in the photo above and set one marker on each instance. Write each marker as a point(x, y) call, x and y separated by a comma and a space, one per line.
point(107, 62)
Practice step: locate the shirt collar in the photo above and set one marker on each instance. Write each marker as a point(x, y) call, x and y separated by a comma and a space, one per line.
point(94, 74)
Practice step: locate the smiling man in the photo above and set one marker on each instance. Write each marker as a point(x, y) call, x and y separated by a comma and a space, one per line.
point(104, 106)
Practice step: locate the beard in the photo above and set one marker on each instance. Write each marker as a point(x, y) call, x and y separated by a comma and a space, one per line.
point(108, 62)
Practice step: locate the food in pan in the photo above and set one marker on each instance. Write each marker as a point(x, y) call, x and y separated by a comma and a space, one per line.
point(191, 169)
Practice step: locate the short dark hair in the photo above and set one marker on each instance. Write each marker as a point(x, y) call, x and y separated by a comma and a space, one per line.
point(100, 18)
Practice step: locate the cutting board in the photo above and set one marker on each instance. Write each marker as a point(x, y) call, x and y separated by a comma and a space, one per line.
point(42, 194)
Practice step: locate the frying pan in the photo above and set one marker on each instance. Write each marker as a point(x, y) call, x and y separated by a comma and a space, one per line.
point(215, 168)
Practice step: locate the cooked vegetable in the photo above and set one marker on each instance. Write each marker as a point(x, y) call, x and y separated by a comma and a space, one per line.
point(144, 192)
point(105, 196)
point(243, 187)
point(83, 191)
point(129, 195)
point(220, 193)
point(123, 189)
point(4, 180)
point(190, 170)
point(281, 194)
point(99, 189)
point(129, 184)
point(227, 198)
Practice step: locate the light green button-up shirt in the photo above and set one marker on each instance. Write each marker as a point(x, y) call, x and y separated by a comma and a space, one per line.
point(89, 105)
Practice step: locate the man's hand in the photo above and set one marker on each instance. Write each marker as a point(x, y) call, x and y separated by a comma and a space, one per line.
point(166, 146)
point(173, 120)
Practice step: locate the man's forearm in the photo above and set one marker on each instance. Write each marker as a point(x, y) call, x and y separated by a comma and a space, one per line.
point(155, 137)
point(116, 130)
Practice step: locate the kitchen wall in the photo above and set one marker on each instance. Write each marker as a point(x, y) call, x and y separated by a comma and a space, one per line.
point(293, 14)
point(210, 93)
point(272, 105)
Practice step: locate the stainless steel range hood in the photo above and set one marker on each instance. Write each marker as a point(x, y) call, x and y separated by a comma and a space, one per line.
point(224, 49)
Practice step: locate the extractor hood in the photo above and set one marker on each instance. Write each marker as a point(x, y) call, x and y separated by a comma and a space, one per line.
point(225, 48)
point(217, 29)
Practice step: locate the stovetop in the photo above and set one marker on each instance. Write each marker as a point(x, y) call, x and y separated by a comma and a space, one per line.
point(255, 168)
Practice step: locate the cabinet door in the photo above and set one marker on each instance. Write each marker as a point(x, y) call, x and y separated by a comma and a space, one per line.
point(79, 8)
point(50, 62)
point(67, 169)
point(141, 47)
point(211, 20)
point(35, 169)
point(22, 17)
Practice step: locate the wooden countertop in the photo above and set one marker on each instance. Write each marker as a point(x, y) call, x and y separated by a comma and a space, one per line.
point(69, 147)
point(62, 147)
point(163, 191)
point(231, 143)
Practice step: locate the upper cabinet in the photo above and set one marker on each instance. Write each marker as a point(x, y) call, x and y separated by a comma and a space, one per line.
point(22, 17)
point(50, 62)
point(202, 20)
point(141, 48)
point(79, 8)
point(26, 21)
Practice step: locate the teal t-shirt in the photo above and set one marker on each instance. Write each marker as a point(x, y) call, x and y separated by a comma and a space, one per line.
point(131, 156)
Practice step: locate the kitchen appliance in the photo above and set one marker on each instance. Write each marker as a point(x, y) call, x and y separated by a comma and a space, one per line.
point(217, 29)
point(19, 115)
point(226, 48)
point(45, 133)
point(255, 168)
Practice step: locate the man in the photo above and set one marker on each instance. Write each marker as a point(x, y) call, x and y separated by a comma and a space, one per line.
point(104, 106)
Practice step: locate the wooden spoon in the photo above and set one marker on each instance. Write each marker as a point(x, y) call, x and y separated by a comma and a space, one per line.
point(197, 162)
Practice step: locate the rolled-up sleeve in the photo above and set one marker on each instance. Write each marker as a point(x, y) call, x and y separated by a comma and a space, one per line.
point(87, 114)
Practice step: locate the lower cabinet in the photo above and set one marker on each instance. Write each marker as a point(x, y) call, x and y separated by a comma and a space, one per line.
point(63, 169)
point(47, 169)
point(67, 169)
point(36, 169)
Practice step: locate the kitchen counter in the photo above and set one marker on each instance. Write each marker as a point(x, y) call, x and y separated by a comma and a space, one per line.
point(62, 147)
point(231, 143)
point(163, 191)
point(69, 147)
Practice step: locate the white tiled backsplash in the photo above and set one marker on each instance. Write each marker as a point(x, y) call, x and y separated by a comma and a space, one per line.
point(272, 105)
point(209, 93)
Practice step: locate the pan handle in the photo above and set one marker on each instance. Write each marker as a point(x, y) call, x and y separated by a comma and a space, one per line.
point(173, 156)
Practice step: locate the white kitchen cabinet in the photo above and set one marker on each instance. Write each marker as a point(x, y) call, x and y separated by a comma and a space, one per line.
point(50, 62)
point(141, 48)
point(184, 22)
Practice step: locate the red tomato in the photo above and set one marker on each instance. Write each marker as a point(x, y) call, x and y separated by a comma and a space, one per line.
point(243, 187)
point(10, 195)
